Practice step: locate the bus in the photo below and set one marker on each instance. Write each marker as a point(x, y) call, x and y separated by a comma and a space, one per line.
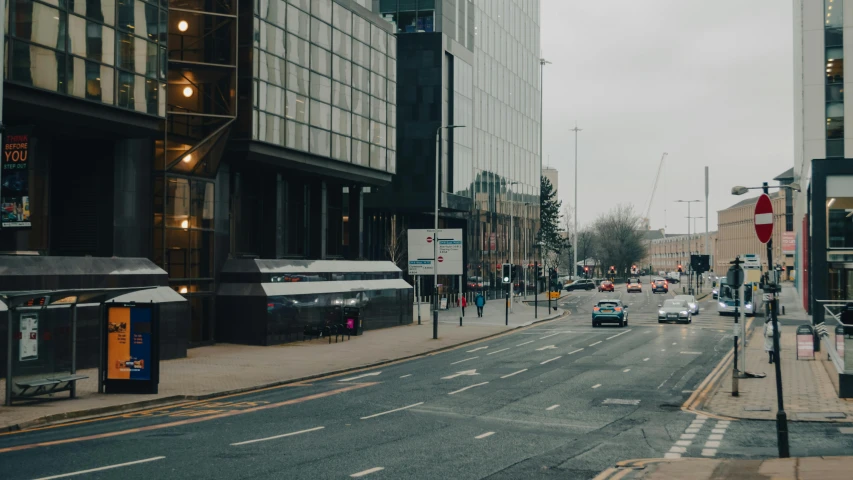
point(726, 298)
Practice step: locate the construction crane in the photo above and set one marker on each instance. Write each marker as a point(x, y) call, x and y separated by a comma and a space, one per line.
point(654, 189)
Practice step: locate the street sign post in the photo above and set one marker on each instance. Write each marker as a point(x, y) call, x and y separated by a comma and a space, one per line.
point(763, 218)
point(447, 250)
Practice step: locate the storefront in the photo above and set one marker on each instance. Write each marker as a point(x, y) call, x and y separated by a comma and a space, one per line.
point(830, 227)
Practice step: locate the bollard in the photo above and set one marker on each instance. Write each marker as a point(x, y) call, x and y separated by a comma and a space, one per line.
point(435, 324)
point(507, 309)
point(460, 321)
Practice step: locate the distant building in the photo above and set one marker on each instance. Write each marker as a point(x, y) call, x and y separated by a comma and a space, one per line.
point(737, 233)
point(552, 175)
point(668, 251)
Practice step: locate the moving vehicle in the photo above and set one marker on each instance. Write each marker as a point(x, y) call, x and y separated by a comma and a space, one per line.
point(726, 299)
point(674, 311)
point(660, 285)
point(691, 302)
point(606, 286)
point(610, 311)
point(672, 277)
point(634, 285)
point(580, 285)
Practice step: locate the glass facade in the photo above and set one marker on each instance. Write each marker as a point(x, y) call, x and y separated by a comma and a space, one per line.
point(506, 106)
point(834, 45)
point(324, 82)
point(106, 51)
point(410, 16)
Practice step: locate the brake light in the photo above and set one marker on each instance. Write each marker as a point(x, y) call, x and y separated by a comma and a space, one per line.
point(618, 309)
point(270, 305)
point(595, 309)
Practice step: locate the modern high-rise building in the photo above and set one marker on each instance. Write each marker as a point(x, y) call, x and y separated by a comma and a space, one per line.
point(159, 129)
point(473, 65)
point(553, 176)
point(823, 151)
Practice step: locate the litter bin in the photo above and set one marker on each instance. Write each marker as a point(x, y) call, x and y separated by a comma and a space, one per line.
point(353, 321)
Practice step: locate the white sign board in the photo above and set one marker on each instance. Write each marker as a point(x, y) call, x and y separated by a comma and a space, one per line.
point(737, 330)
point(28, 348)
point(446, 253)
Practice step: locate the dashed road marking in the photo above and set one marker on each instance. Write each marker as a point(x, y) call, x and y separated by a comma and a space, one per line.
point(392, 411)
point(551, 335)
point(626, 370)
point(277, 436)
point(404, 376)
point(596, 343)
point(466, 388)
point(100, 469)
point(596, 385)
point(497, 351)
point(574, 351)
point(460, 361)
point(514, 373)
point(551, 360)
point(525, 343)
point(480, 348)
point(552, 407)
point(367, 472)
point(645, 359)
point(487, 434)
point(614, 336)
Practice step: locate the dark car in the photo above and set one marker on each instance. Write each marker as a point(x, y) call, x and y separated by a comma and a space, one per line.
point(581, 285)
point(660, 285)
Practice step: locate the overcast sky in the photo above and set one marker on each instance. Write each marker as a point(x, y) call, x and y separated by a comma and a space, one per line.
point(709, 82)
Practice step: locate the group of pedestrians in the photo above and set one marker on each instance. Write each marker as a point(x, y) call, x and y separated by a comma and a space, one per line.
point(479, 301)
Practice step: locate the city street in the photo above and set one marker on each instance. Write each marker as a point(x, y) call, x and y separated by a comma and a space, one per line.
point(557, 400)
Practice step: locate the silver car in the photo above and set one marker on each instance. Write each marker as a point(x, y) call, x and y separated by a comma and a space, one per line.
point(691, 302)
point(674, 311)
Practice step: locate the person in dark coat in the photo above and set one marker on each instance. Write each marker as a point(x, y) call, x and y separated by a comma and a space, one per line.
point(480, 301)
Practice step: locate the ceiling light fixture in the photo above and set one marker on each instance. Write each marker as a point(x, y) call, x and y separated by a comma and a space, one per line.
point(831, 201)
point(188, 158)
point(183, 25)
point(188, 91)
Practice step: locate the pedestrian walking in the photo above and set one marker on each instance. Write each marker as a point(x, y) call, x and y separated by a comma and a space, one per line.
point(464, 304)
point(768, 341)
point(480, 302)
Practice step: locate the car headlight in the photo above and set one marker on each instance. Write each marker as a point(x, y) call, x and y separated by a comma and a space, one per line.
point(748, 305)
point(684, 312)
point(661, 312)
point(722, 304)
point(693, 305)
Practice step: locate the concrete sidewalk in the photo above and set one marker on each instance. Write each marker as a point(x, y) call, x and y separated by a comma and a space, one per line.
point(803, 468)
point(225, 368)
point(808, 390)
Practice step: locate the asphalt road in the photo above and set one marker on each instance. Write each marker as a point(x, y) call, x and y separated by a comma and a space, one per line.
point(556, 400)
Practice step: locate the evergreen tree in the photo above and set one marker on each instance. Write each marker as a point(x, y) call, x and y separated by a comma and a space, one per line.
point(549, 220)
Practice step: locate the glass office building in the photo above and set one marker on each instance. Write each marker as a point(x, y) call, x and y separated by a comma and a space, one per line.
point(474, 64)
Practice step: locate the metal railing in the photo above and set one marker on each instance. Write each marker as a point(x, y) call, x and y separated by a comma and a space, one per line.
point(823, 332)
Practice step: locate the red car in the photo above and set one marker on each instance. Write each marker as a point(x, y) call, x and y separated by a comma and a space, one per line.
point(605, 286)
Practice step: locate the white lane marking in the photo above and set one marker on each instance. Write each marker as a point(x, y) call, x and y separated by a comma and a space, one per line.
point(596, 385)
point(574, 351)
point(461, 374)
point(614, 336)
point(466, 388)
point(683, 443)
point(392, 411)
point(723, 423)
point(551, 360)
point(645, 359)
point(688, 436)
point(367, 472)
point(678, 450)
point(551, 335)
point(101, 469)
point(691, 430)
point(525, 343)
point(460, 361)
point(712, 443)
point(481, 348)
point(671, 455)
point(404, 376)
point(548, 347)
point(715, 436)
point(372, 374)
point(514, 373)
point(552, 407)
point(675, 343)
point(596, 343)
point(277, 436)
point(626, 370)
point(498, 351)
point(691, 353)
point(487, 434)
point(709, 452)
point(719, 430)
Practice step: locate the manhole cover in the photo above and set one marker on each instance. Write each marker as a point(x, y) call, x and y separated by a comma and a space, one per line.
point(620, 401)
point(820, 415)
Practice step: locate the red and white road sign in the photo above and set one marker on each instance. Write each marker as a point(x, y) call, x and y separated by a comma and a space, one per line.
point(429, 239)
point(763, 218)
point(440, 259)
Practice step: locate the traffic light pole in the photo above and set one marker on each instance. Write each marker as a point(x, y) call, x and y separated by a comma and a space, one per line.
point(536, 289)
point(781, 416)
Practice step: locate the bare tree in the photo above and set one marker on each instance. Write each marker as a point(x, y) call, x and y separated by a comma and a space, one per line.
point(395, 244)
point(619, 238)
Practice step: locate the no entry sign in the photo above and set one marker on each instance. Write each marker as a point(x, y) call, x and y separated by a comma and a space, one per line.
point(763, 218)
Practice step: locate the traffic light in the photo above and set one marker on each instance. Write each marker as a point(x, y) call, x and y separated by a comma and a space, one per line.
point(679, 269)
point(538, 271)
point(612, 269)
point(506, 272)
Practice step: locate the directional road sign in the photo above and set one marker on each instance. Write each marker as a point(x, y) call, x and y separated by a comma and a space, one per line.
point(763, 218)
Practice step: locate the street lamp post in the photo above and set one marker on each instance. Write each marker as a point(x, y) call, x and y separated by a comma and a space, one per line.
point(575, 239)
point(688, 202)
point(773, 289)
point(435, 235)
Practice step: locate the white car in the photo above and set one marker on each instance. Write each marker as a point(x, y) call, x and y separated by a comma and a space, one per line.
point(691, 302)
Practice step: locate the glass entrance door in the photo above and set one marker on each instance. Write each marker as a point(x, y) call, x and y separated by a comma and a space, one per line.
point(840, 284)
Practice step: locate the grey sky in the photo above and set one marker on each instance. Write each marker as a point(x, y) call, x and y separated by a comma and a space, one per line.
point(708, 82)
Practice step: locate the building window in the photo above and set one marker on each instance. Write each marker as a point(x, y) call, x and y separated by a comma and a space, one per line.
point(834, 37)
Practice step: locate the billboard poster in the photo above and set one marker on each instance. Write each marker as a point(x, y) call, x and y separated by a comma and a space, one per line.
point(789, 243)
point(15, 179)
point(129, 343)
point(28, 348)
